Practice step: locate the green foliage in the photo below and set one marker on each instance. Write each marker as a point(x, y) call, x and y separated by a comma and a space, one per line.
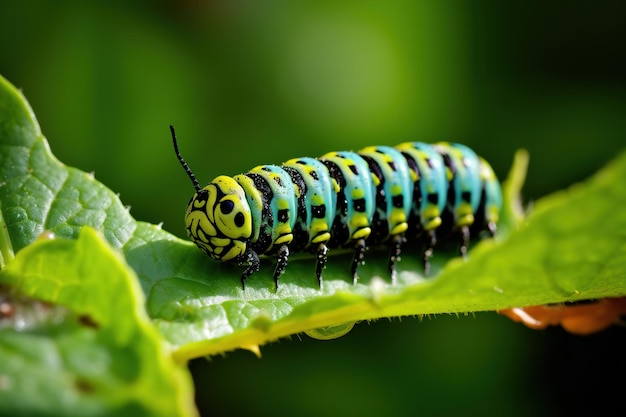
point(198, 307)
point(78, 341)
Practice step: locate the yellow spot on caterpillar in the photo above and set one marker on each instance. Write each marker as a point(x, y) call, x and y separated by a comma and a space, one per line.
point(357, 194)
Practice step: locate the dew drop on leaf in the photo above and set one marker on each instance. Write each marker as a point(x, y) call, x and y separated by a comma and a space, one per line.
point(330, 332)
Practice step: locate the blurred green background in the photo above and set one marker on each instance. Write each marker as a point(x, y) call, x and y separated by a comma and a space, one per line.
point(248, 82)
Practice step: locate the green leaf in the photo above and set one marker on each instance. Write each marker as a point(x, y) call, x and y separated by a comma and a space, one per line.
point(565, 251)
point(78, 341)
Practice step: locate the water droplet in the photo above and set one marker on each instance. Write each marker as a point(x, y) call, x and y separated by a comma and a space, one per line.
point(330, 332)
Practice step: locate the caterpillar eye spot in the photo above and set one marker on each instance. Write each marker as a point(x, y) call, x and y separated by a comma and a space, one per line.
point(227, 206)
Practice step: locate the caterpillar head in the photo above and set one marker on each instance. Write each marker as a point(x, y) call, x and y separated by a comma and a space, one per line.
point(218, 217)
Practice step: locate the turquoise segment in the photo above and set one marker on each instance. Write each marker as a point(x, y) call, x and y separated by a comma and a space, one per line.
point(466, 182)
point(397, 185)
point(359, 191)
point(433, 184)
point(283, 204)
point(320, 198)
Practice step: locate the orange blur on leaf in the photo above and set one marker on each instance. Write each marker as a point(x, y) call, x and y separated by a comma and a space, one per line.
point(582, 319)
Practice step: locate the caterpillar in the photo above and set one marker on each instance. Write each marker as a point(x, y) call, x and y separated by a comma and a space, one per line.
point(378, 195)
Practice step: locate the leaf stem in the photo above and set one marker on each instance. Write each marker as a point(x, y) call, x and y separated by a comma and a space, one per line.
point(6, 248)
point(512, 211)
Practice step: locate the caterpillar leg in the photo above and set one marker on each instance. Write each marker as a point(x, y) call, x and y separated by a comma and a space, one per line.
point(465, 238)
point(359, 255)
point(491, 227)
point(431, 241)
point(281, 265)
point(252, 260)
point(322, 258)
point(396, 249)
